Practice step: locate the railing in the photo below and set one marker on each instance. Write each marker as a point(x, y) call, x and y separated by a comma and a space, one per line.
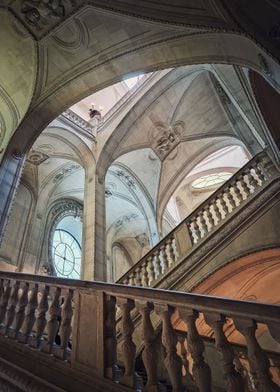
point(78, 121)
point(35, 309)
point(228, 200)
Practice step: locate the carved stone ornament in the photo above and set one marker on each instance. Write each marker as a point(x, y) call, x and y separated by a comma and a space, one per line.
point(65, 172)
point(264, 65)
point(125, 178)
point(165, 138)
point(125, 219)
point(36, 157)
point(42, 15)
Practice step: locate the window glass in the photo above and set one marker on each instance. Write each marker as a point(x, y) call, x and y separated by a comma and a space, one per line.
point(66, 253)
point(211, 180)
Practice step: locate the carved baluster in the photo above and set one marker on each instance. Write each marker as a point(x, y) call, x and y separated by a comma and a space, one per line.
point(203, 223)
point(29, 315)
point(172, 361)
point(252, 181)
point(223, 205)
point(10, 313)
point(41, 318)
point(20, 315)
point(4, 302)
point(172, 255)
point(259, 363)
point(110, 339)
point(149, 354)
point(184, 357)
point(132, 279)
point(129, 349)
point(201, 371)
point(65, 327)
point(151, 269)
point(217, 211)
point(238, 194)
point(233, 379)
point(138, 277)
point(164, 257)
point(244, 186)
point(144, 273)
point(210, 218)
point(260, 173)
point(157, 262)
point(230, 199)
point(195, 230)
point(53, 324)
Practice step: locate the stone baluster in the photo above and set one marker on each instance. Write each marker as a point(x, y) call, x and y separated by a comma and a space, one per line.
point(110, 339)
point(259, 363)
point(151, 269)
point(29, 315)
point(230, 199)
point(217, 211)
point(201, 371)
point(244, 186)
point(260, 173)
point(164, 257)
point(184, 357)
point(144, 274)
point(53, 323)
point(209, 215)
point(126, 281)
point(20, 315)
point(172, 360)
point(138, 280)
point(195, 230)
point(132, 279)
point(10, 313)
point(149, 354)
point(4, 302)
point(252, 181)
point(233, 379)
point(128, 347)
point(223, 204)
point(171, 252)
point(41, 318)
point(203, 223)
point(157, 262)
point(238, 195)
point(65, 326)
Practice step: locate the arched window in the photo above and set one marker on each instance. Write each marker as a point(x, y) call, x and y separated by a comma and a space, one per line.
point(66, 255)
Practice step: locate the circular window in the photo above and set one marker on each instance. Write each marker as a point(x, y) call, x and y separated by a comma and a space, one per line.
point(66, 254)
point(211, 180)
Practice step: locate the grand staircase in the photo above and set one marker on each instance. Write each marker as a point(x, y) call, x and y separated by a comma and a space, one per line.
point(90, 317)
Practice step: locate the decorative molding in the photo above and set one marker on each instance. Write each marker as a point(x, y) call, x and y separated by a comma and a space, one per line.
point(125, 219)
point(65, 172)
point(166, 137)
point(41, 16)
point(79, 123)
point(126, 179)
point(36, 157)
point(264, 65)
point(143, 240)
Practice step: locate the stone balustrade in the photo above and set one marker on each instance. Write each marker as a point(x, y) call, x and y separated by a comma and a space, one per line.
point(34, 310)
point(208, 218)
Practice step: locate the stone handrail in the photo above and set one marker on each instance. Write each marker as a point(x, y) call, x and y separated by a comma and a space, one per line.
point(228, 200)
point(78, 121)
point(35, 309)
